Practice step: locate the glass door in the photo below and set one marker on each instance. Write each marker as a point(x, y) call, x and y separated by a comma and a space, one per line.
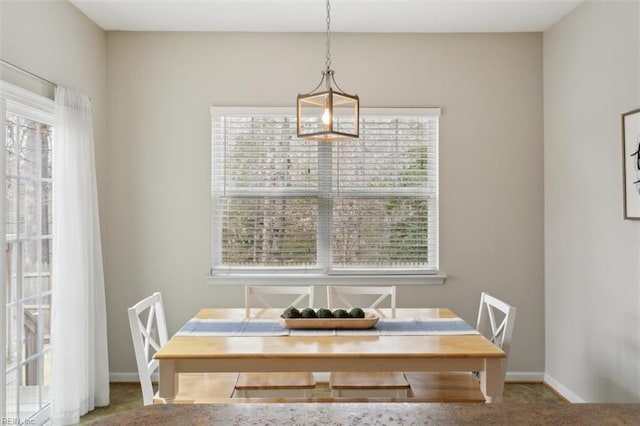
point(27, 208)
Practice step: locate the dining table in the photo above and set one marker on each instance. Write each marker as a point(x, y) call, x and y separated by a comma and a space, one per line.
point(403, 339)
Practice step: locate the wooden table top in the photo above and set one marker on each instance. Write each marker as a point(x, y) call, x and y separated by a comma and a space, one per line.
point(282, 347)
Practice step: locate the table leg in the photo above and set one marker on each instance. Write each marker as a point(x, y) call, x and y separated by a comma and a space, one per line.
point(492, 379)
point(167, 381)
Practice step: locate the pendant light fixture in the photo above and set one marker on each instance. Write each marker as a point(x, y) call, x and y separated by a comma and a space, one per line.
point(327, 113)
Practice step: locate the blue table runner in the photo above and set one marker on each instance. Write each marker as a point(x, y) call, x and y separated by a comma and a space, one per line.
point(384, 327)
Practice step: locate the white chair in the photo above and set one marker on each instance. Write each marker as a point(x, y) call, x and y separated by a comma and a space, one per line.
point(277, 297)
point(292, 384)
point(495, 321)
point(365, 384)
point(345, 297)
point(149, 332)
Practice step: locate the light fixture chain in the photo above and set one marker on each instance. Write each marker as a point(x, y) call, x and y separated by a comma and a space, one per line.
point(328, 61)
point(319, 113)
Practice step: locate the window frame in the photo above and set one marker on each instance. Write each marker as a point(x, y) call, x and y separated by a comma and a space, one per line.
point(29, 105)
point(322, 272)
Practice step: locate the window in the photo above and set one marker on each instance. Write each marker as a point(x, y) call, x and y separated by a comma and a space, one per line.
point(287, 205)
point(26, 190)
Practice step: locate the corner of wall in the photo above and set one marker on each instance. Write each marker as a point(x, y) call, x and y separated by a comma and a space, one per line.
point(561, 390)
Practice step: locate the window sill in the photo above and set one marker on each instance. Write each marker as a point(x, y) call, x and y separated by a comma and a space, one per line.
point(299, 279)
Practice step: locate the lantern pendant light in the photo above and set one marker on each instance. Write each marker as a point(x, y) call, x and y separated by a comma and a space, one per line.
point(327, 113)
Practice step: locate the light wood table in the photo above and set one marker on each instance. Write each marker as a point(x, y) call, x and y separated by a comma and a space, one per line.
point(472, 352)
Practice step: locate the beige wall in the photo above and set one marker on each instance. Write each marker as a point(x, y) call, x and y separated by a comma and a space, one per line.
point(55, 41)
point(592, 255)
point(160, 88)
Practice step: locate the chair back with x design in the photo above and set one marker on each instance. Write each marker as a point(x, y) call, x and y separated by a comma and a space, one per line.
point(496, 318)
point(277, 297)
point(343, 297)
point(149, 332)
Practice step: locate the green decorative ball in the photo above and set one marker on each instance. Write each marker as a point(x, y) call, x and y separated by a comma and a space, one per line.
point(324, 313)
point(308, 313)
point(340, 313)
point(291, 312)
point(356, 313)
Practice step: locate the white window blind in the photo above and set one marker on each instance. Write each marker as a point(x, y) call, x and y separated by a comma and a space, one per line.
point(283, 204)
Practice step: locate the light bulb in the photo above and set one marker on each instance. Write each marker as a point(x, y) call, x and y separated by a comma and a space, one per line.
point(326, 117)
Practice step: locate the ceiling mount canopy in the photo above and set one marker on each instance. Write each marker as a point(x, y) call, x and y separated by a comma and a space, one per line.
point(327, 113)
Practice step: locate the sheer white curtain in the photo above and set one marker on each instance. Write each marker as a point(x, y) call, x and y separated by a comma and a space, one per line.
point(79, 361)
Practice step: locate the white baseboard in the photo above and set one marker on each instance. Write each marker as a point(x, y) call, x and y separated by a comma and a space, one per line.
point(562, 390)
point(324, 377)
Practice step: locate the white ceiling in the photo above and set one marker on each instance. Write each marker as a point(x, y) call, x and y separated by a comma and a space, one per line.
point(309, 15)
